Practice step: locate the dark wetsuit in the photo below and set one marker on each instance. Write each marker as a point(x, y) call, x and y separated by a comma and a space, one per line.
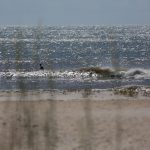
point(41, 67)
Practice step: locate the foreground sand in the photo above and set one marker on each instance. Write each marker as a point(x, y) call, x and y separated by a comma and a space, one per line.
point(74, 125)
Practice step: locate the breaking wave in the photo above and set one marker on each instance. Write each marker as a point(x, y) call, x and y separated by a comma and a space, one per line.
point(137, 74)
point(83, 73)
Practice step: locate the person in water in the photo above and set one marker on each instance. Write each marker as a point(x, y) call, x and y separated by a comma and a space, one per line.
point(41, 67)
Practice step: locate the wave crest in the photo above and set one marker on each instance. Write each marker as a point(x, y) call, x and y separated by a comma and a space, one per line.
point(83, 73)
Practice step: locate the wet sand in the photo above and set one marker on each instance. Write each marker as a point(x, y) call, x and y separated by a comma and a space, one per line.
point(79, 124)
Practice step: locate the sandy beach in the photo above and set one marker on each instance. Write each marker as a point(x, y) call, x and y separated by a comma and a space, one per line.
point(78, 124)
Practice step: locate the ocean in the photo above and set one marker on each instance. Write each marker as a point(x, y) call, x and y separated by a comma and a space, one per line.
point(74, 57)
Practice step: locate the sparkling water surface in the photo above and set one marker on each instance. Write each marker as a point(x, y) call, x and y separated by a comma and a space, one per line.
point(63, 51)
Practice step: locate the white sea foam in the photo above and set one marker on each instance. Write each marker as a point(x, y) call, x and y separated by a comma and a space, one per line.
point(131, 73)
point(57, 74)
point(137, 73)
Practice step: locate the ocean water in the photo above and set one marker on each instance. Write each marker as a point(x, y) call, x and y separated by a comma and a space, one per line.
point(70, 56)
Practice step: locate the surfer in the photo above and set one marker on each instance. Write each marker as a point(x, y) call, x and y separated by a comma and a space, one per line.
point(41, 67)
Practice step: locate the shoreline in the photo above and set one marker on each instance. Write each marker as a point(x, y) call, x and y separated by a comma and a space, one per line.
point(68, 95)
